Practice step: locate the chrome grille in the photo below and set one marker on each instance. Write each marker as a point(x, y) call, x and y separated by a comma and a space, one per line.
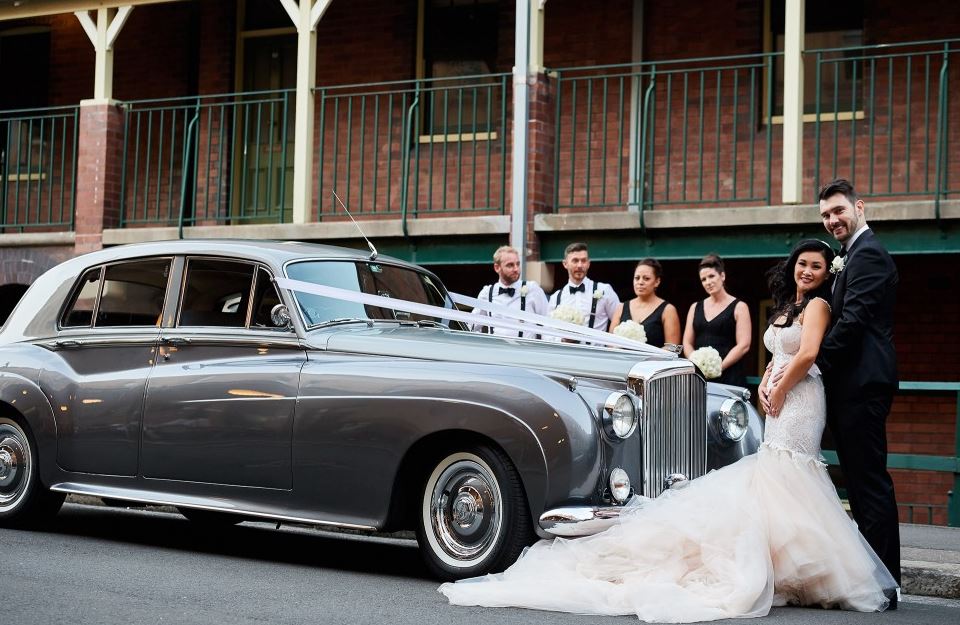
point(674, 429)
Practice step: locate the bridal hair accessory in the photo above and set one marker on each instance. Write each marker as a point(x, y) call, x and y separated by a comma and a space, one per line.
point(708, 361)
point(839, 262)
point(631, 330)
point(568, 314)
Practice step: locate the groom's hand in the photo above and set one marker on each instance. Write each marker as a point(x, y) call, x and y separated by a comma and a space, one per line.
point(764, 399)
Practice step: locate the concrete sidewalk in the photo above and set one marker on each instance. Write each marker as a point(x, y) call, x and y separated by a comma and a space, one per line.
point(930, 559)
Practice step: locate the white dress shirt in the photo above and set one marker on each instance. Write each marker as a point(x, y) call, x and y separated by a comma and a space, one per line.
point(536, 303)
point(607, 302)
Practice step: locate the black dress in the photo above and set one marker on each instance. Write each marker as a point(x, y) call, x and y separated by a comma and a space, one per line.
point(652, 325)
point(720, 333)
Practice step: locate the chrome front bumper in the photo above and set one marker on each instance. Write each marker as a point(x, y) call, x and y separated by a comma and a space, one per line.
point(579, 521)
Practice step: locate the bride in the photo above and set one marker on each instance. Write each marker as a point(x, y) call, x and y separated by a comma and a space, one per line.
point(765, 531)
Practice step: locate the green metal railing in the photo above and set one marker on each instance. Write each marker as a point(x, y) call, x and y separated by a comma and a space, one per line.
point(38, 168)
point(413, 147)
point(922, 462)
point(208, 160)
point(651, 134)
point(882, 117)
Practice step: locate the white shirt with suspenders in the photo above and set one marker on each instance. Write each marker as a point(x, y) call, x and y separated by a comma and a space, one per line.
point(596, 301)
point(523, 295)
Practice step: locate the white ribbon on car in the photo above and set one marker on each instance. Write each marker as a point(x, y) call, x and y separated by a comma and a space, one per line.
point(537, 323)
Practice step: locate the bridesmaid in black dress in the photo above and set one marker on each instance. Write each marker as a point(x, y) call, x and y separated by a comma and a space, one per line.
point(720, 321)
point(659, 318)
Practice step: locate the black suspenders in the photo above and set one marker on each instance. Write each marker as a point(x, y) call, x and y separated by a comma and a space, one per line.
point(523, 302)
point(593, 306)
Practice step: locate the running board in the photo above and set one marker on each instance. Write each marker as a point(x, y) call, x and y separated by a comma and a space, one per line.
point(188, 501)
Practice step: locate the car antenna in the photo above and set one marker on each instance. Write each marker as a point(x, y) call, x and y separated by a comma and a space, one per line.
point(373, 250)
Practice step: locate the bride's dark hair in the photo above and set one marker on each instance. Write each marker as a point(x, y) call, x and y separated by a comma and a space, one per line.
point(784, 289)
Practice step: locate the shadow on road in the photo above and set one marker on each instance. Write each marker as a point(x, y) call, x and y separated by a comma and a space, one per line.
point(253, 541)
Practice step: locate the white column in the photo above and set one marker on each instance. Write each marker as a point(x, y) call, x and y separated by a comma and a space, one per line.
point(305, 16)
point(794, 29)
point(635, 194)
point(521, 113)
point(102, 35)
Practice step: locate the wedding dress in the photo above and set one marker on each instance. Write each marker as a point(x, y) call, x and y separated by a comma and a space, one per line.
point(767, 530)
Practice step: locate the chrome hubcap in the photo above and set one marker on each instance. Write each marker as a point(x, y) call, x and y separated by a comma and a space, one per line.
point(465, 510)
point(14, 465)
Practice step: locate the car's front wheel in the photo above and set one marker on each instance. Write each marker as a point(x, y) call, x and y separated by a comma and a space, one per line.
point(23, 498)
point(473, 515)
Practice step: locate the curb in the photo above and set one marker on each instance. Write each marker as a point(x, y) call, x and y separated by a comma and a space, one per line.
point(931, 579)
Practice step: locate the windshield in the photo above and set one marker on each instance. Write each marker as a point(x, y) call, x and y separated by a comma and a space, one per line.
point(366, 277)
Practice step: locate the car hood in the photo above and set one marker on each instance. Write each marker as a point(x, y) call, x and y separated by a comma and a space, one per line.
point(456, 346)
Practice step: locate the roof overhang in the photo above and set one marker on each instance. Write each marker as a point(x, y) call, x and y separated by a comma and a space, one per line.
point(18, 9)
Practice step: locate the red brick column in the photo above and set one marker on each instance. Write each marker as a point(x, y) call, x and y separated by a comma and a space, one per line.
point(540, 156)
point(99, 154)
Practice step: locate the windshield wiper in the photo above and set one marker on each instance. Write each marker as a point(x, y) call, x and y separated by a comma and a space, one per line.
point(336, 322)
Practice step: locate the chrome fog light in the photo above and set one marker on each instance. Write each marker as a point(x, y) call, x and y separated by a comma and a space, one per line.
point(620, 415)
point(733, 419)
point(619, 485)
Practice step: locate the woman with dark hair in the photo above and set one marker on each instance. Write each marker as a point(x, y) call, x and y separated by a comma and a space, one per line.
point(720, 321)
point(659, 318)
point(767, 530)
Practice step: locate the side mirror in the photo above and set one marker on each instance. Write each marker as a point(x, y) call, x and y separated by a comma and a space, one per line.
point(280, 316)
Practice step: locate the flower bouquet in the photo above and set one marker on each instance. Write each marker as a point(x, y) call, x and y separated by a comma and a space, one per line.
point(708, 361)
point(568, 314)
point(630, 329)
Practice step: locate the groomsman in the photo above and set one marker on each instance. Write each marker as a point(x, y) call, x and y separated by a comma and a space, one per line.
point(510, 291)
point(859, 368)
point(596, 301)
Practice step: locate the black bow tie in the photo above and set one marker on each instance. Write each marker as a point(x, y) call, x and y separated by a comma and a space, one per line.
point(578, 289)
point(509, 290)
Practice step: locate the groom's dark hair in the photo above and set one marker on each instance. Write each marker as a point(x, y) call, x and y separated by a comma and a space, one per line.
point(839, 185)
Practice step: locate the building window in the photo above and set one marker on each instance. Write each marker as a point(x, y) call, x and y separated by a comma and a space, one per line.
point(459, 52)
point(836, 29)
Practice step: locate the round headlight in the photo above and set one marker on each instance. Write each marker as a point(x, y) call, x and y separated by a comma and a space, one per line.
point(619, 485)
point(733, 419)
point(620, 415)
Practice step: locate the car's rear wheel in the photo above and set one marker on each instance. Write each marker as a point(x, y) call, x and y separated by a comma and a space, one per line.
point(210, 518)
point(473, 514)
point(23, 498)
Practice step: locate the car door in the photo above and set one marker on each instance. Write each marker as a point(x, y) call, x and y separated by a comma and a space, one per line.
point(220, 402)
point(105, 347)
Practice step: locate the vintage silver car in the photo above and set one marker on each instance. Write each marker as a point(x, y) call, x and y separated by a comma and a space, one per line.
point(183, 373)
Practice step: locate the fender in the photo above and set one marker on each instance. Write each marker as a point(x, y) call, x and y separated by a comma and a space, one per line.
point(23, 396)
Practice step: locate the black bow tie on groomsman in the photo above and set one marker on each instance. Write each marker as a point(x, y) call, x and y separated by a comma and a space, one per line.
point(509, 290)
point(578, 289)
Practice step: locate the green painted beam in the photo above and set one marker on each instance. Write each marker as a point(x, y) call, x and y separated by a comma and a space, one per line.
point(746, 242)
point(915, 462)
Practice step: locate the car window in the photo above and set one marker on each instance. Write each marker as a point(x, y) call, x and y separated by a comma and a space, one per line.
point(216, 293)
point(265, 298)
point(79, 313)
point(123, 294)
point(132, 293)
point(364, 277)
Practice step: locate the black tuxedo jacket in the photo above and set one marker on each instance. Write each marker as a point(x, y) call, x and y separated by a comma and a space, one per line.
point(857, 355)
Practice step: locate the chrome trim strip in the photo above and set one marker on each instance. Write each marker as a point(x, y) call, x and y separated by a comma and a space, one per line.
point(198, 503)
point(579, 520)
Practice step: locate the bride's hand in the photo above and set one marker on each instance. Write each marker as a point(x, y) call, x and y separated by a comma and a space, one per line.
point(775, 399)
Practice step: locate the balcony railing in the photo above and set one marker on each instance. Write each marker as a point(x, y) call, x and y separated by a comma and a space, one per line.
point(38, 169)
point(208, 160)
point(415, 147)
point(895, 137)
point(687, 132)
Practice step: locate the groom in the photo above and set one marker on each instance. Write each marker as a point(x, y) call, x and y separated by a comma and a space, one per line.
point(859, 367)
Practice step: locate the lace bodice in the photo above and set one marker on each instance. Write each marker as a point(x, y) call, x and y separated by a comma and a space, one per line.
point(800, 424)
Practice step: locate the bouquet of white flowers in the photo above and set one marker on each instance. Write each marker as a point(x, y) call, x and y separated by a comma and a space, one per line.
point(708, 360)
point(630, 329)
point(568, 314)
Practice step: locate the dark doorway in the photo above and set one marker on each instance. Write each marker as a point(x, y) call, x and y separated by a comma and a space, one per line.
point(10, 295)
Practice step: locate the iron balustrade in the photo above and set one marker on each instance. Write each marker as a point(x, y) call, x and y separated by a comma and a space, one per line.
point(204, 160)
point(38, 168)
point(413, 147)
